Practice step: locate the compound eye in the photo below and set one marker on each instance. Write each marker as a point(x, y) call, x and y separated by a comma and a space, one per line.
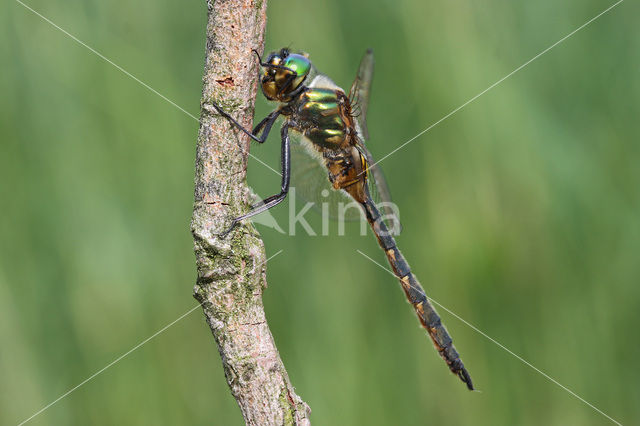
point(298, 64)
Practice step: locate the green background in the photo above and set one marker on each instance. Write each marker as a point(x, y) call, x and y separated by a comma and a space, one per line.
point(521, 214)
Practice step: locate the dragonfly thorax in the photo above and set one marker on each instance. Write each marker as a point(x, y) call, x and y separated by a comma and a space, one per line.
point(317, 113)
point(322, 114)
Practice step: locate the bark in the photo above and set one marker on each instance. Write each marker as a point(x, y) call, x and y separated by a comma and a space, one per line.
point(232, 271)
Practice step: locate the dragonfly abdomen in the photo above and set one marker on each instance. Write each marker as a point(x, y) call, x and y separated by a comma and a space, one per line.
point(416, 295)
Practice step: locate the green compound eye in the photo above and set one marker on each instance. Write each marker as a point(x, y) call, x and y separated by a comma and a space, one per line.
point(297, 63)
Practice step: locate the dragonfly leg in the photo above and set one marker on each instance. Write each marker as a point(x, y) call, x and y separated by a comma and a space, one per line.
point(264, 125)
point(276, 199)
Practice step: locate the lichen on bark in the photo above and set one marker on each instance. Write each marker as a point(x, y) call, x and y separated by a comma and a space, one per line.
point(232, 270)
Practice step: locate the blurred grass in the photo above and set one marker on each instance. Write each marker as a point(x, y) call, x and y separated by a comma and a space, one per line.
point(520, 214)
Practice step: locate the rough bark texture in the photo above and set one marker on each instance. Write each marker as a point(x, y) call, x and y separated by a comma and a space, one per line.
point(231, 271)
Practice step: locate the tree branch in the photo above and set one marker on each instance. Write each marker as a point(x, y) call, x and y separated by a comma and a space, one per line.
point(231, 271)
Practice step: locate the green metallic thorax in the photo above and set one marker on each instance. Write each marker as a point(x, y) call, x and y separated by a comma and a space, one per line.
point(318, 117)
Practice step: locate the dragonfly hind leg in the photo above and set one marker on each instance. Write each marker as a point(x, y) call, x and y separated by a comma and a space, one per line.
point(275, 199)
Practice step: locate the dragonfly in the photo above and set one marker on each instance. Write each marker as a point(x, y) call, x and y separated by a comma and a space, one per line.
point(332, 125)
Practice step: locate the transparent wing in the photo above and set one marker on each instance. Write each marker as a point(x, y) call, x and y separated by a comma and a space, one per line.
point(310, 182)
point(360, 91)
point(380, 194)
point(359, 95)
point(309, 175)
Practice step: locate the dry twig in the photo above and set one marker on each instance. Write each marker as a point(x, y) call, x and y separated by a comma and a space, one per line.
point(231, 271)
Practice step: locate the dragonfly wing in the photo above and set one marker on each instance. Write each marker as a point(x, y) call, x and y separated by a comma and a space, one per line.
point(378, 188)
point(310, 177)
point(380, 193)
point(360, 91)
point(310, 181)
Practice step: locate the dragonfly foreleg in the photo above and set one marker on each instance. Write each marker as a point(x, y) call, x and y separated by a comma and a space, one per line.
point(276, 199)
point(264, 125)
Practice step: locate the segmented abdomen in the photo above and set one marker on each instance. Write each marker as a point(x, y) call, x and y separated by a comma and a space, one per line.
point(416, 295)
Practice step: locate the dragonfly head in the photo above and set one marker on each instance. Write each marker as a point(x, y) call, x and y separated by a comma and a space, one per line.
point(284, 73)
